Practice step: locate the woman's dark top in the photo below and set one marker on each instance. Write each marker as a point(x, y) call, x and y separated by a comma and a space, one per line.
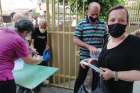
point(124, 57)
point(40, 40)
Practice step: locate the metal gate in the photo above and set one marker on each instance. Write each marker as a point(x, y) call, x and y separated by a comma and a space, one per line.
point(61, 24)
point(133, 7)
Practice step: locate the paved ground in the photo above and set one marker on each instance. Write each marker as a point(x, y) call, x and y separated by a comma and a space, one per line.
point(55, 90)
point(49, 89)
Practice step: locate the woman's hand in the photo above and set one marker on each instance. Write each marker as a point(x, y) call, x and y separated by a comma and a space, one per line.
point(107, 74)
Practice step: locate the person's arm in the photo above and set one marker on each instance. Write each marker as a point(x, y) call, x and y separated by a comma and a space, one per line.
point(29, 60)
point(78, 35)
point(80, 43)
point(131, 75)
point(22, 51)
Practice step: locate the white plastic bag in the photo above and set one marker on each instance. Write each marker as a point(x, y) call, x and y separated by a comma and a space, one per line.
point(19, 64)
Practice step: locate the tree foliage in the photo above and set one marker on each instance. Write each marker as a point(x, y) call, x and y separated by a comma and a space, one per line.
point(81, 5)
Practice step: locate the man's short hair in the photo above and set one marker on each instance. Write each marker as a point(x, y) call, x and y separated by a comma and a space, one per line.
point(24, 25)
point(94, 4)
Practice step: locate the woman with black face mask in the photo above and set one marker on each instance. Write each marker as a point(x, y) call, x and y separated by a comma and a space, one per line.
point(120, 57)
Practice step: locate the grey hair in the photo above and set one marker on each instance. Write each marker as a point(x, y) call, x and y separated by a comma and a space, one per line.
point(94, 4)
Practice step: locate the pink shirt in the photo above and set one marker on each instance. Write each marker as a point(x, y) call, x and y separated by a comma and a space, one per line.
point(12, 46)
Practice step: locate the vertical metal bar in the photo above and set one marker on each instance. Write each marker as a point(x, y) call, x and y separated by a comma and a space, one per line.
point(139, 13)
point(134, 14)
point(130, 8)
point(76, 46)
point(48, 14)
point(83, 8)
point(1, 14)
point(58, 40)
point(69, 60)
point(52, 15)
point(64, 42)
point(63, 15)
point(136, 19)
point(126, 4)
point(53, 29)
point(0, 8)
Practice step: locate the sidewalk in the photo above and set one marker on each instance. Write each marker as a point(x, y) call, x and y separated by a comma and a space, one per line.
point(49, 89)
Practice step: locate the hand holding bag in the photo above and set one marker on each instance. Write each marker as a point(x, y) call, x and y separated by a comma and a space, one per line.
point(46, 55)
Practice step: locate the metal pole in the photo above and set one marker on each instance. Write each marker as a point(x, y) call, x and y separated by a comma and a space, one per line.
point(0, 9)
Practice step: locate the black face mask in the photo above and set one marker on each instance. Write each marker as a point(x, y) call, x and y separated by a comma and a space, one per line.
point(93, 19)
point(116, 30)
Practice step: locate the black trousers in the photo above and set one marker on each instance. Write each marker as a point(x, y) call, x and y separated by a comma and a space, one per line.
point(8, 86)
point(82, 76)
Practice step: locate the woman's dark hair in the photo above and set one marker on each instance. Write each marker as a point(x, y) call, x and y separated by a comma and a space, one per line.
point(116, 8)
point(24, 25)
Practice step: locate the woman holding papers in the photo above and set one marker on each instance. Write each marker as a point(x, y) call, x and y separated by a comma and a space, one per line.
point(120, 57)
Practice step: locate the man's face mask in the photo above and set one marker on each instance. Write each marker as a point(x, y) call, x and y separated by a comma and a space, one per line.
point(42, 30)
point(93, 19)
point(116, 30)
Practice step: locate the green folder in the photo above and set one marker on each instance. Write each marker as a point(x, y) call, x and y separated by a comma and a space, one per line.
point(32, 75)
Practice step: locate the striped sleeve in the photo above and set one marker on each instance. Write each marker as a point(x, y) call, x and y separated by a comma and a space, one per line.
point(78, 31)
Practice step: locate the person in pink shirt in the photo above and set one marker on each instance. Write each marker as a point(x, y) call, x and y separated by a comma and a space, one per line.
point(12, 47)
